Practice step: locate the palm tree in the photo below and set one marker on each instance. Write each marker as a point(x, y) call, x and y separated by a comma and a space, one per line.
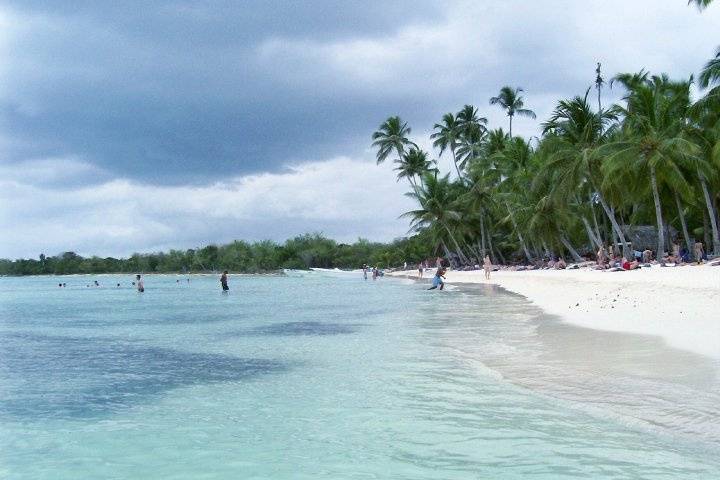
point(512, 102)
point(391, 137)
point(700, 3)
point(446, 137)
point(710, 74)
point(706, 134)
point(467, 117)
point(653, 139)
point(437, 208)
point(413, 164)
point(470, 146)
point(573, 135)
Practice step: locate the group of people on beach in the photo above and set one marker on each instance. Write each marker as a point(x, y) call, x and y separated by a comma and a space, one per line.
point(679, 256)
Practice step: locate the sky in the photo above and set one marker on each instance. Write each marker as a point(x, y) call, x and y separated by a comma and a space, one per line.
point(142, 126)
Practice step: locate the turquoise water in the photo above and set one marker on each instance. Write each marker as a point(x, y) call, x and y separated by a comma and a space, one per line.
point(324, 375)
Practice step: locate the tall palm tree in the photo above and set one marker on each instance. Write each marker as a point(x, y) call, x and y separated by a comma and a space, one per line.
point(413, 164)
point(446, 137)
point(512, 102)
point(653, 139)
point(391, 137)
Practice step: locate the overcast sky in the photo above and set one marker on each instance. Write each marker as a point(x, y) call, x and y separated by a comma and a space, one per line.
point(139, 126)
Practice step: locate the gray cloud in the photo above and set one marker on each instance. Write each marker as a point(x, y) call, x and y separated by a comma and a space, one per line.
point(170, 96)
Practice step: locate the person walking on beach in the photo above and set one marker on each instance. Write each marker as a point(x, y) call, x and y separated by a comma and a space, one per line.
point(699, 252)
point(223, 281)
point(365, 267)
point(140, 283)
point(438, 279)
point(420, 270)
point(487, 266)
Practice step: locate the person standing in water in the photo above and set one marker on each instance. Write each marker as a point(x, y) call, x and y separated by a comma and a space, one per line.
point(487, 266)
point(438, 279)
point(223, 281)
point(365, 267)
point(140, 283)
point(420, 269)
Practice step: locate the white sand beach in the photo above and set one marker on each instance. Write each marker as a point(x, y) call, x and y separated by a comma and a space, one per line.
point(679, 304)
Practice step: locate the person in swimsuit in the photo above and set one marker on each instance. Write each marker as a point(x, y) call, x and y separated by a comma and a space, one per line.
point(438, 279)
point(487, 266)
point(140, 283)
point(420, 270)
point(223, 281)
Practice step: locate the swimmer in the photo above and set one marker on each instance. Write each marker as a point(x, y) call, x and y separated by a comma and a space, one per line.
point(140, 283)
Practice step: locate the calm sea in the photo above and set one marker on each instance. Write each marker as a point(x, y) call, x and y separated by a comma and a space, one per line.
point(324, 375)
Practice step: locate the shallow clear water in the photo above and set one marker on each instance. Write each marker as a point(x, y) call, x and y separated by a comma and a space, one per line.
point(323, 375)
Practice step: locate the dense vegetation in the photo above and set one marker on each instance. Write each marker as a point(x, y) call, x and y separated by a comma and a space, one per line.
point(596, 173)
point(300, 253)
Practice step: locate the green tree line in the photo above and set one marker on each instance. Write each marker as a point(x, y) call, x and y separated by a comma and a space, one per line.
point(302, 252)
point(595, 173)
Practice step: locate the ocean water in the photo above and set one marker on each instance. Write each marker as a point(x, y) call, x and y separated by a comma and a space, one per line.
point(324, 375)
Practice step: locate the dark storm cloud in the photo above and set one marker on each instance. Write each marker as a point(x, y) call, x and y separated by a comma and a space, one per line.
point(170, 92)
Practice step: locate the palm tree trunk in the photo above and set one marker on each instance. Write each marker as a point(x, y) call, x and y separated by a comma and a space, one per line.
point(520, 237)
point(499, 256)
point(482, 235)
point(594, 241)
point(711, 212)
point(570, 248)
point(460, 253)
point(510, 126)
point(460, 177)
point(658, 213)
point(616, 227)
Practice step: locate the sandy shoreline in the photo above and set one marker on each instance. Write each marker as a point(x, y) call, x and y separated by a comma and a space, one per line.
point(679, 304)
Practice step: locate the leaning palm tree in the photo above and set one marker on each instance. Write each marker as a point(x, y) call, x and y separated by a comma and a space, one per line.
point(446, 137)
point(512, 102)
point(391, 137)
point(438, 208)
point(414, 164)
